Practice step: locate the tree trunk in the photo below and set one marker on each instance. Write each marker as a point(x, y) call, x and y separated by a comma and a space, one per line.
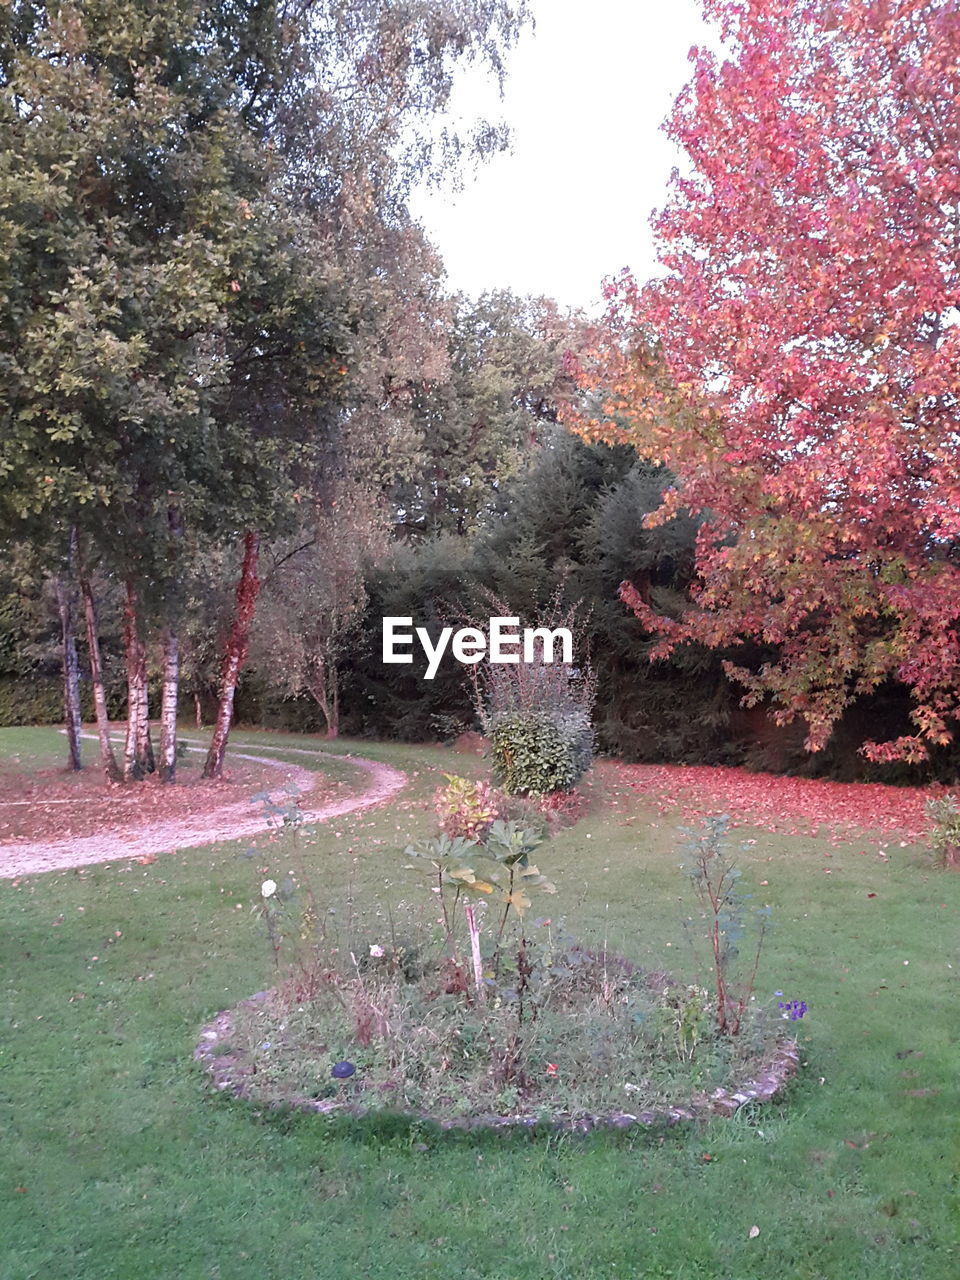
point(326, 695)
point(197, 709)
point(108, 760)
point(234, 654)
point(168, 706)
point(138, 750)
point(71, 675)
point(333, 720)
point(144, 745)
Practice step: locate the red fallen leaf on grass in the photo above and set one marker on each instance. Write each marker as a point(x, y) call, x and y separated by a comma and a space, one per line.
point(796, 806)
point(860, 1146)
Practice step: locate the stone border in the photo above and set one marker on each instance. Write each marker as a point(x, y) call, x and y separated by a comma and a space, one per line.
point(230, 1072)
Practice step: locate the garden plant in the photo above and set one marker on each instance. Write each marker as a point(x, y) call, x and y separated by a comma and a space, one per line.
point(111, 1132)
point(490, 1014)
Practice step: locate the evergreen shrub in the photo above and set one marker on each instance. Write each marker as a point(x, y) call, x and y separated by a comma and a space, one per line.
point(537, 716)
point(535, 752)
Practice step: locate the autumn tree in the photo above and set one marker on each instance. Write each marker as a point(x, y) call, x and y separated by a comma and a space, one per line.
point(806, 386)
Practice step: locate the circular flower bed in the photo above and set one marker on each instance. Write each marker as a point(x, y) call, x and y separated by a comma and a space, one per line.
point(560, 1034)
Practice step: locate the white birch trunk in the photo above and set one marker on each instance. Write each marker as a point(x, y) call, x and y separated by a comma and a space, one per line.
point(168, 706)
point(138, 750)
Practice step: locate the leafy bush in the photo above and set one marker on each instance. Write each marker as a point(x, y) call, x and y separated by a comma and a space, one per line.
point(536, 752)
point(466, 808)
point(38, 699)
point(944, 813)
point(537, 716)
point(31, 701)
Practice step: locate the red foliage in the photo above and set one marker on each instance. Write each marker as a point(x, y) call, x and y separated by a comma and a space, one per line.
point(792, 806)
point(562, 808)
point(806, 393)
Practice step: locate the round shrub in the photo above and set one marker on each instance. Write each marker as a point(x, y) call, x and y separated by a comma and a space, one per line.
point(534, 752)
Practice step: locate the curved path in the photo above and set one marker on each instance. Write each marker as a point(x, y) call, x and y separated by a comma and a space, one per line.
point(243, 818)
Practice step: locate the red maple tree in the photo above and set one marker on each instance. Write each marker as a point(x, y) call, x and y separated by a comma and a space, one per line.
point(805, 385)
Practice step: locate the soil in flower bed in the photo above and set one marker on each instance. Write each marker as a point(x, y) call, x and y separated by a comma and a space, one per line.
point(579, 1039)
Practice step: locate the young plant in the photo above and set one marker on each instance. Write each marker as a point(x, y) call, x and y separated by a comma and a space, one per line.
point(449, 866)
point(466, 808)
point(509, 846)
point(944, 814)
point(275, 905)
point(715, 878)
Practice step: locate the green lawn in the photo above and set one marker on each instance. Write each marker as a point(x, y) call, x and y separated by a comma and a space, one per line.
point(116, 1161)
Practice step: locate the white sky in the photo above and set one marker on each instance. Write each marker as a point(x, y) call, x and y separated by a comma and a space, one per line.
point(585, 96)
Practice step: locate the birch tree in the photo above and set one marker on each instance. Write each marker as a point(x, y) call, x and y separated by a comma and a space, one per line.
point(201, 206)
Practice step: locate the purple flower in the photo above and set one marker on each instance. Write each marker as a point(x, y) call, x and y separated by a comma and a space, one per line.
point(793, 1009)
point(342, 1070)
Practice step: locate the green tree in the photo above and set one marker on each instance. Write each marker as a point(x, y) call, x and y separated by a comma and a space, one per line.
point(505, 380)
point(567, 528)
point(183, 303)
point(155, 272)
point(431, 583)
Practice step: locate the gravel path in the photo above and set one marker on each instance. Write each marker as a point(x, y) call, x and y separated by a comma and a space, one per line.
point(227, 823)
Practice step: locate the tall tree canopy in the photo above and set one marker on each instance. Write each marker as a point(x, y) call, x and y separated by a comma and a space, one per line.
point(502, 386)
point(808, 398)
point(209, 283)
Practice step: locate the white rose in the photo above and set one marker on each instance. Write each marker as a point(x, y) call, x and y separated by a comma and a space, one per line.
point(376, 950)
point(268, 888)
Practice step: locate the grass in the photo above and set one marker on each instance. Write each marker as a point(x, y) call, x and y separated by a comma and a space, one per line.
point(116, 1161)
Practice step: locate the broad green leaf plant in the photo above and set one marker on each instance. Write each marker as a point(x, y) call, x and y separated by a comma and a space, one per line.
point(496, 866)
